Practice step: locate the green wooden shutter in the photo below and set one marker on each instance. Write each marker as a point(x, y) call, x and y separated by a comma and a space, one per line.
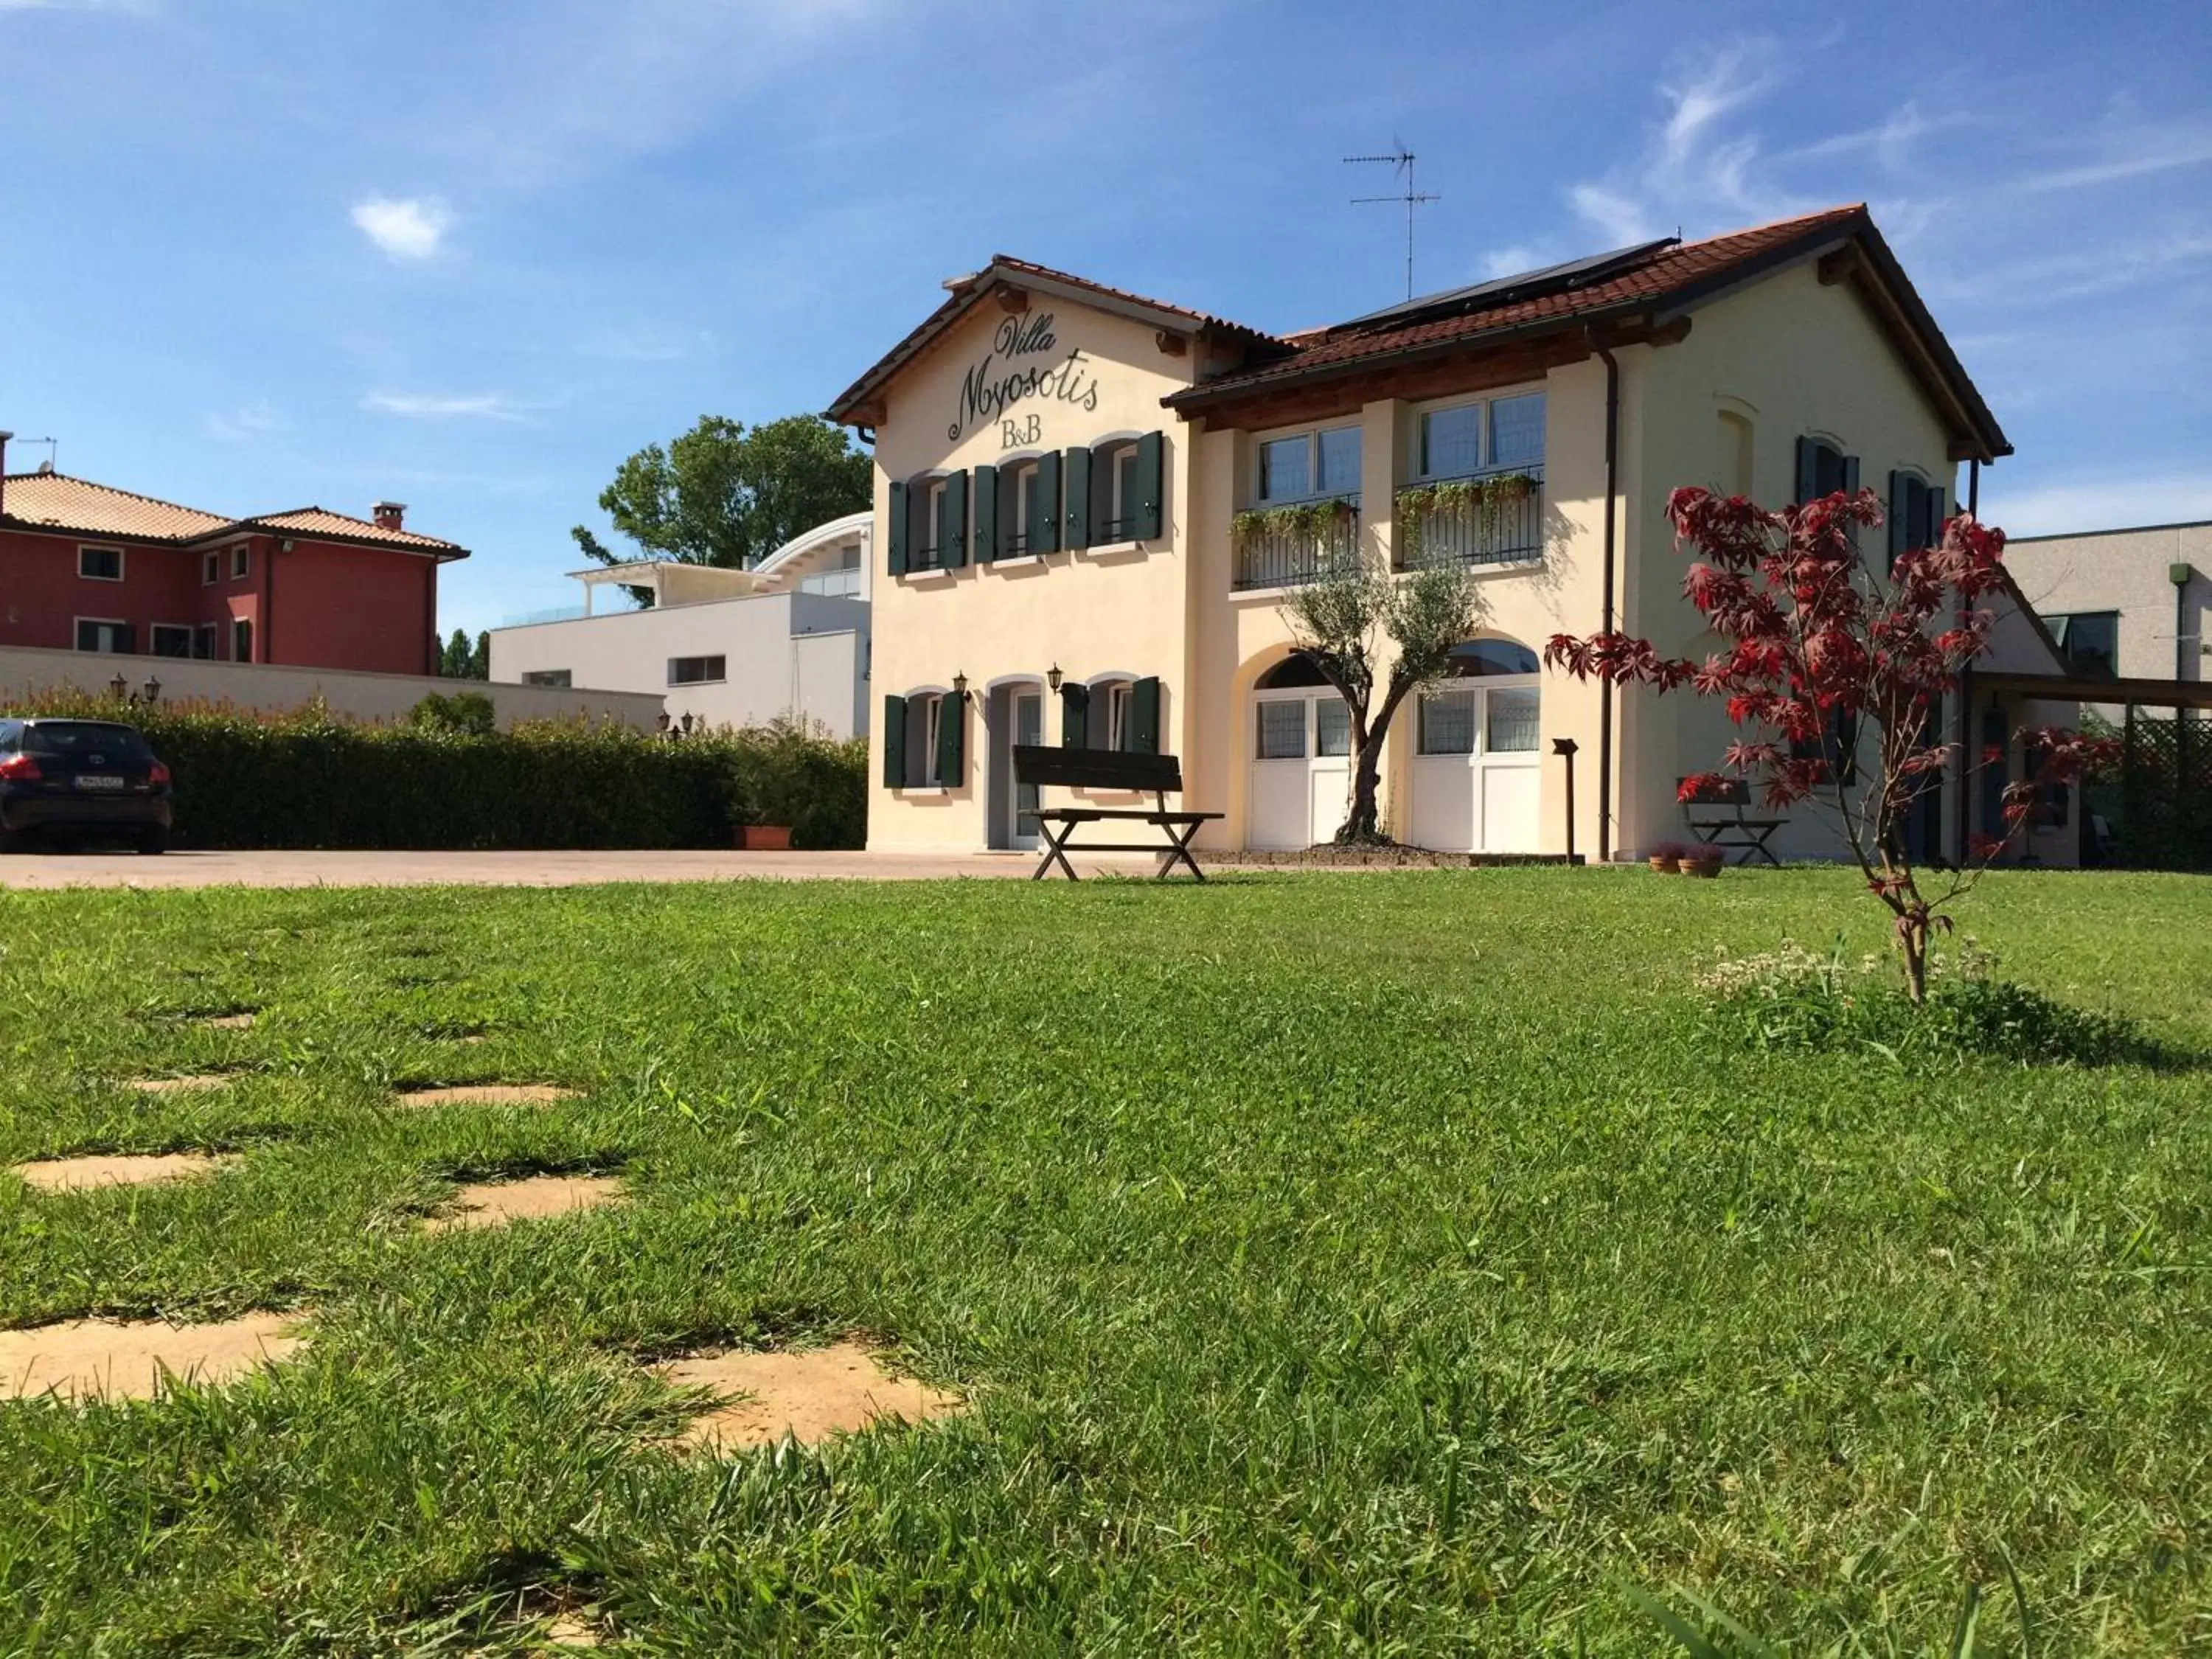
point(1046, 537)
point(952, 523)
point(894, 742)
point(1151, 473)
point(1849, 483)
point(1140, 733)
point(950, 711)
point(1900, 515)
point(1935, 510)
point(1808, 470)
point(898, 527)
point(1102, 528)
point(1080, 514)
point(1074, 716)
point(986, 514)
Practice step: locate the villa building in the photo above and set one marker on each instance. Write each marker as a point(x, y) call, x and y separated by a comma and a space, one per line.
point(1089, 508)
point(88, 568)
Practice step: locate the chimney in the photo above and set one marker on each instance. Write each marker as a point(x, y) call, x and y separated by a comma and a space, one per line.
point(389, 515)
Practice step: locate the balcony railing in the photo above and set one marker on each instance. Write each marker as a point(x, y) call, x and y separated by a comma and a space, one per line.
point(1496, 519)
point(1287, 546)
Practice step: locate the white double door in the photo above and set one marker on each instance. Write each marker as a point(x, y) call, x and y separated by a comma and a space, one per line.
point(1300, 744)
point(1477, 781)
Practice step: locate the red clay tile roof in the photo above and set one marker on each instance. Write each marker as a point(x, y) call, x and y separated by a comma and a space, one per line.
point(1661, 274)
point(44, 500)
point(966, 291)
point(316, 523)
point(1661, 282)
point(55, 500)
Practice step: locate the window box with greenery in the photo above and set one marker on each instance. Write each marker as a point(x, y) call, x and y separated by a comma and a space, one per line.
point(1496, 519)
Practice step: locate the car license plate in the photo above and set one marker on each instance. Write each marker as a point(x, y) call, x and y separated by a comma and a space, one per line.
point(97, 780)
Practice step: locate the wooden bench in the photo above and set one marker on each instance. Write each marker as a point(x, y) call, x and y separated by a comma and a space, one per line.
point(1718, 814)
point(1158, 775)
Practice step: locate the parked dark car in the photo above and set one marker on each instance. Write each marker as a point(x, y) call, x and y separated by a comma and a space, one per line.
point(82, 779)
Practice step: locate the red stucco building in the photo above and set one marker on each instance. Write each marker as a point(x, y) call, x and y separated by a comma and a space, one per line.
point(86, 568)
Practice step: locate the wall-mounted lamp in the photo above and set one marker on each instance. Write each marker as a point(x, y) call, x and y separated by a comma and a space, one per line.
point(119, 687)
point(960, 687)
point(662, 722)
point(153, 688)
point(1053, 677)
point(688, 720)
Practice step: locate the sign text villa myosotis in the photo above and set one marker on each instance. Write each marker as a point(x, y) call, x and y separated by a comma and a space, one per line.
point(994, 384)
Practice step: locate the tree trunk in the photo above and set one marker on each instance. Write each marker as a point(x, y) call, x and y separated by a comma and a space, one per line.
point(1363, 821)
point(1912, 946)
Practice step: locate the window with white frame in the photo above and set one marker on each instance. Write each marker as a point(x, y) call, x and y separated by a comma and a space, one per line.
point(1120, 484)
point(1108, 726)
point(99, 564)
point(1493, 434)
point(1460, 718)
point(1025, 534)
point(241, 562)
point(929, 502)
point(925, 716)
point(171, 640)
point(697, 671)
point(241, 639)
point(105, 636)
point(559, 677)
point(210, 568)
point(1308, 466)
point(1283, 728)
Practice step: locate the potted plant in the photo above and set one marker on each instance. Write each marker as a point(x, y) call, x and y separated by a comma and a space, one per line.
point(1704, 861)
point(768, 792)
point(1667, 857)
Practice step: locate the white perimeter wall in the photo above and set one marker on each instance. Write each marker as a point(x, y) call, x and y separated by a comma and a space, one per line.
point(274, 689)
point(803, 656)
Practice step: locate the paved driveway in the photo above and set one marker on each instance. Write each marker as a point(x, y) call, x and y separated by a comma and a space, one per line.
point(33, 870)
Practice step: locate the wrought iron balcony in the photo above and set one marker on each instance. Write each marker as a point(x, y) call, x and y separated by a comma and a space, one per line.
point(1288, 546)
point(1495, 519)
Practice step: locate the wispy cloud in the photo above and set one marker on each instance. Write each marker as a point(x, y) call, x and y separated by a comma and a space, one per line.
point(1695, 172)
point(2129, 155)
point(405, 228)
point(429, 406)
point(254, 420)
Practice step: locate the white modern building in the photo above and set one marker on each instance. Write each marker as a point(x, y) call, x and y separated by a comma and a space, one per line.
point(787, 639)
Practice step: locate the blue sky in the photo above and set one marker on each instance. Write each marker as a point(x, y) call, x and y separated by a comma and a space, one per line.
point(258, 253)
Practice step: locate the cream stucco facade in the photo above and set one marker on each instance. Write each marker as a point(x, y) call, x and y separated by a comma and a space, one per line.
point(1720, 393)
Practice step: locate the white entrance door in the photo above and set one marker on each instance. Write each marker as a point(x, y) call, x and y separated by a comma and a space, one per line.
point(1477, 777)
point(1301, 745)
point(1029, 732)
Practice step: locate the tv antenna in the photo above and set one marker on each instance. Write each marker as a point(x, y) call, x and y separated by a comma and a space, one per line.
point(54, 449)
point(1401, 164)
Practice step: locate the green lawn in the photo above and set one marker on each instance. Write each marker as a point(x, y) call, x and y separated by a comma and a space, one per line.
point(1335, 1263)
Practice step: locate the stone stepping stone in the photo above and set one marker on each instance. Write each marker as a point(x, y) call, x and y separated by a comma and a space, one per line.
point(170, 1086)
point(485, 1094)
point(840, 1389)
point(69, 1175)
point(533, 1197)
point(113, 1359)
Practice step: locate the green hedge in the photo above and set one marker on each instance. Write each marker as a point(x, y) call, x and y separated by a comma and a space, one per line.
point(306, 778)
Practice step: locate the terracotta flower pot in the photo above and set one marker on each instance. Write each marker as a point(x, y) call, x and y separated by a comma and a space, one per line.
point(1705, 868)
point(1666, 863)
point(764, 837)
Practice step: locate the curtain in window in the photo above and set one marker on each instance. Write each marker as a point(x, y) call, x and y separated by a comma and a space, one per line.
point(1283, 730)
point(1285, 469)
point(1332, 726)
point(1448, 723)
point(1512, 720)
point(1340, 461)
point(1516, 431)
point(1451, 442)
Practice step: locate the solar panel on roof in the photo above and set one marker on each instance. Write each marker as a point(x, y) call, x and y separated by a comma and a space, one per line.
point(1528, 285)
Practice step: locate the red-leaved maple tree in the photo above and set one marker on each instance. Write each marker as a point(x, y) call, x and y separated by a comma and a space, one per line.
point(1833, 672)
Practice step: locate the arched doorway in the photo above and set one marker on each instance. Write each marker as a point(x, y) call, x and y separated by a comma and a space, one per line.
point(1477, 776)
point(1299, 739)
